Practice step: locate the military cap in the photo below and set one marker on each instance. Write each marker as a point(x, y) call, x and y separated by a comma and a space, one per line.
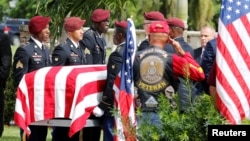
point(175, 22)
point(73, 23)
point(154, 15)
point(100, 15)
point(158, 27)
point(38, 23)
point(121, 24)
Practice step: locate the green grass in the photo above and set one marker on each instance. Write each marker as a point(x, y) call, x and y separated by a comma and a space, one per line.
point(12, 133)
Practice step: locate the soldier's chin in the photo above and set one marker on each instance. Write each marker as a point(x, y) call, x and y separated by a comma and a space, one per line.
point(106, 30)
point(46, 39)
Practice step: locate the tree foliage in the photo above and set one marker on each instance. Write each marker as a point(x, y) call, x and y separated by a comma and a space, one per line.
point(4, 6)
point(192, 125)
point(24, 9)
point(201, 12)
point(83, 9)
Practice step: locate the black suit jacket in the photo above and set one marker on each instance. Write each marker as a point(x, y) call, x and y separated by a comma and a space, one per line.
point(5, 58)
point(197, 54)
point(28, 58)
point(94, 46)
point(208, 56)
point(206, 63)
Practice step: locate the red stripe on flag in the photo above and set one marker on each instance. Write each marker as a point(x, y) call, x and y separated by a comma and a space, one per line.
point(224, 50)
point(230, 92)
point(49, 95)
point(79, 123)
point(125, 100)
point(245, 22)
point(224, 110)
point(88, 89)
point(239, 44)
point(30, 82)
point(20, 121)
point(70, 85)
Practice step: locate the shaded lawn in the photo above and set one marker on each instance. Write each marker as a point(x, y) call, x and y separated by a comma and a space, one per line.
point(12, 133)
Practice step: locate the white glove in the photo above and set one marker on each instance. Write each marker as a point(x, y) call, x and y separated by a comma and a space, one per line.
point(98, 112)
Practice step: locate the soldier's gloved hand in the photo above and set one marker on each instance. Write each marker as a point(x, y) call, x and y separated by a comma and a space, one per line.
point(98, 112)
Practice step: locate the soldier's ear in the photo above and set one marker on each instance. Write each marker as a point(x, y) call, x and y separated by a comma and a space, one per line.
point(148, 37)
point(120, 35)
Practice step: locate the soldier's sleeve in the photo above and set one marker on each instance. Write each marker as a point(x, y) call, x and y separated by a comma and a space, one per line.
point(5, 58)
point(88, 44)
point(59, 56)
point(113, 69)
point(187, 67)
point(20, 64)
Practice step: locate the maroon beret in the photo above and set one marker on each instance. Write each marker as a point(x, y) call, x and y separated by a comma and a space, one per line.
point(154, 15)
point(158, 27)
point(73, 23)
point(175, 22)
point(38, 23)
point(121, 24)
point(100, 15)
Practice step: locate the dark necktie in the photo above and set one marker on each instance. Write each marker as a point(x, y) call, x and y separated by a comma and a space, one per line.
point(81, 55)
point(45, 56)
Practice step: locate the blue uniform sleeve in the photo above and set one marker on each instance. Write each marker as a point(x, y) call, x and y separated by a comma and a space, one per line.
point(59, 56)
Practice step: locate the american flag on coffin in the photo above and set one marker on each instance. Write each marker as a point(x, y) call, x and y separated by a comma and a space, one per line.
point(59, 92)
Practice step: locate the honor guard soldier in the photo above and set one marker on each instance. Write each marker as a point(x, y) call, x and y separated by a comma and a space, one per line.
point(155, 70)
point(186, 91)
point(150, 17)
point(70, 52)
point(94, 46)
point(30, 57)
point(93, 41)
point(66, 54)
point(113, 68)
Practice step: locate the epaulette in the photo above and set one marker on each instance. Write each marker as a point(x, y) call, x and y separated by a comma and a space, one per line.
point(89, 32)
point(63, 43)
point(25, 44)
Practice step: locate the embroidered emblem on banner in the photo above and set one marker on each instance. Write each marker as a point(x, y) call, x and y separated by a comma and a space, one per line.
point(151, 102)
point(152, 69)
point(151, 74)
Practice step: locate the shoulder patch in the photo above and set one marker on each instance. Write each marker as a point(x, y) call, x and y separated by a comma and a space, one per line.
point(19, 64)
point(89, 32)
point(87, 51)
point(152, 69)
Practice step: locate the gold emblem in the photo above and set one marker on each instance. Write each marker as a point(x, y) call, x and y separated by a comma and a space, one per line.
point(19, 64)
point(86, 51)
point(152, 69)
